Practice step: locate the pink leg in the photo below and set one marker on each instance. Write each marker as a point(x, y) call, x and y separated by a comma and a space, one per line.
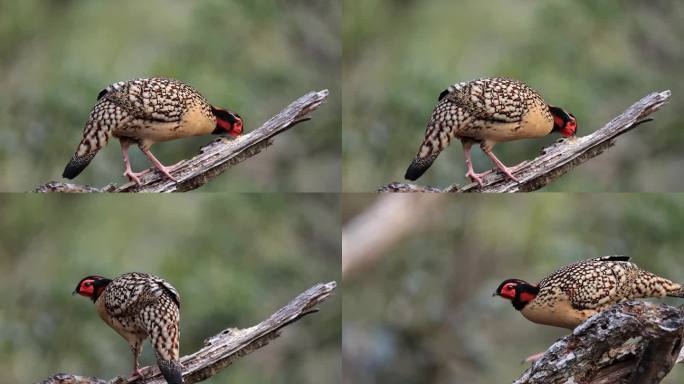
point(476, 177)
point(136, 349)
point(161, 167)
point(499, 164)
point(533, 358)
point(132, 176)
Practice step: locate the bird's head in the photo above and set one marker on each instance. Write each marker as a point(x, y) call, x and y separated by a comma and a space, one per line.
point(91, 286)
point(519, 292)
point(563, 121)
point(227, 122)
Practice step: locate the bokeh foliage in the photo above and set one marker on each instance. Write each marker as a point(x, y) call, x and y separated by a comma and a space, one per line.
point(425, 313)
point(594, 58)
point(235, 259)
point(252, 56)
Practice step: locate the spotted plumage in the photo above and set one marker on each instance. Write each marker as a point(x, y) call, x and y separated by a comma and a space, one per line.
point(144, 112)
point(487, 111)
point(138, 306)
point(578, 291)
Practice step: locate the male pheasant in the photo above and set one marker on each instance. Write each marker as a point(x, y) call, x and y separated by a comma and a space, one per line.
point(138, 305)
point(578, 291)
point(144, 112)
point(487, 111)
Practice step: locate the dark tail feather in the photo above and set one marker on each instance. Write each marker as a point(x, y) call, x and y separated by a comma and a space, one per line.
point(77, 164)
point(419, 166)
point(172, 371)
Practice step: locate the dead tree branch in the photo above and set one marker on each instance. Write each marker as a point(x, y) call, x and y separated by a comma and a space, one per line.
point(633, 342)
point(367, 238)
point(214, 158)
point(557, 159)
point(225, 348)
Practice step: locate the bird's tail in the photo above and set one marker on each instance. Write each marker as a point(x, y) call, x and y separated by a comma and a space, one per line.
point(419, 166)
point(77, 164)
point(97, 132)
point(172, 370)
point(677, 293)
point(162, 324)
point(651, 285)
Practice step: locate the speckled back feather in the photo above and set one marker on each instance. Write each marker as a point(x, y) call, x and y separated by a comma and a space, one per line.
point(602, 282)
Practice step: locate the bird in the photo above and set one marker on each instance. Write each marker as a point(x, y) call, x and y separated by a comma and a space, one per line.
point(146, 111)
point(139, 305)
point(574, 293)
point(488, 111)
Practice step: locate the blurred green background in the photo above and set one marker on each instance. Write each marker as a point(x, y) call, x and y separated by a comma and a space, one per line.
point(252, 56)
point(425, 312)
point(235, 259)
point(594, 58)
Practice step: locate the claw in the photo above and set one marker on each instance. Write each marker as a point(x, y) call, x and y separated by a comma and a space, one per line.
point(136, 373)
point(132, 176)
point(476, 177)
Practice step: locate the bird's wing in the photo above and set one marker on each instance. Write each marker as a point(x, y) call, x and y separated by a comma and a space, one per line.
point(158, 99)
point(162, 287)
point(130, 292)
point(496, 100)
point(593, 283)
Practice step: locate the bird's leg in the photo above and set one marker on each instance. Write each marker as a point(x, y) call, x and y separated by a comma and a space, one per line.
point(136, 349)
point(533, 358)
point(161, 167)
point(132, 176)
point(476, 177)
point(507, 171)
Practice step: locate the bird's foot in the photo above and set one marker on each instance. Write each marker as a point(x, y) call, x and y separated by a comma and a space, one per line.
point(476, 177)
point(137, 373)
point(533, 358)
point(509, 172)
point(134, 176)
point(175, 166)
point(167, 172)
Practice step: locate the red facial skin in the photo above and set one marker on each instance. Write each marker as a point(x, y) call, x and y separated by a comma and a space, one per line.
point(233, 129)
point(568, 129)
point(508, 291)
point(87, 288)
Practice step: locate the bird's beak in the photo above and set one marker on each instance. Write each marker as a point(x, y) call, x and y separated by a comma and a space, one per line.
point(495, 294)
point(74, 292)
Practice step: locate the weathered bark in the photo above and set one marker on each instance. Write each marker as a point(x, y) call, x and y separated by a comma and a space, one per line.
point(633, 342)
point(214, 158)
point(557, 159)
point(223, 349)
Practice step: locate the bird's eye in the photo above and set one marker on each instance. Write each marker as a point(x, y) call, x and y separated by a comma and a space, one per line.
point(88, 284)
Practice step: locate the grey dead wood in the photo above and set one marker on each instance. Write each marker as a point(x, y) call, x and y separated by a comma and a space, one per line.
point(557, 159)
point(214, 158)
point(633, 342)
point(223, 349)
